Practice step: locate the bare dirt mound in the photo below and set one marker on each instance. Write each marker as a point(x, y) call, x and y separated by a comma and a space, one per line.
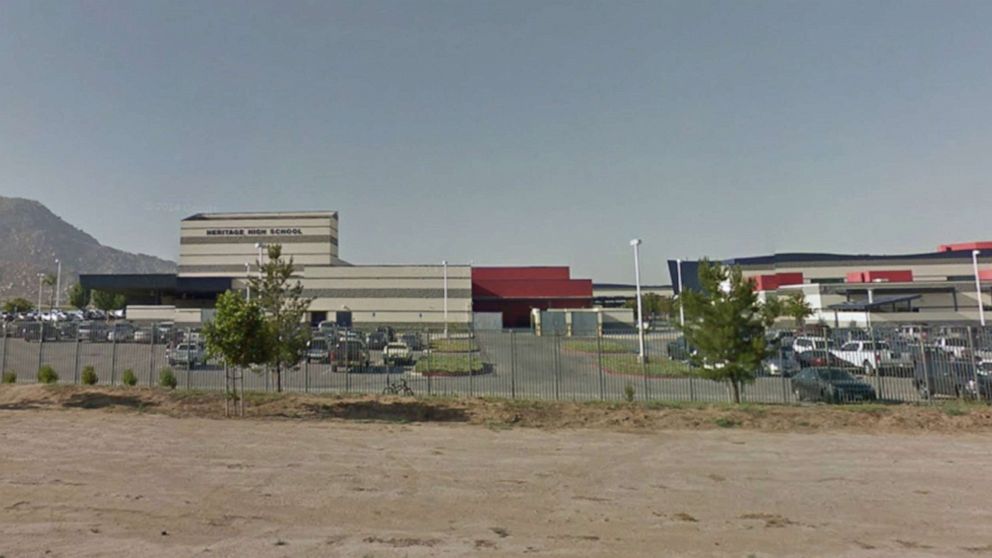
point(498, 413)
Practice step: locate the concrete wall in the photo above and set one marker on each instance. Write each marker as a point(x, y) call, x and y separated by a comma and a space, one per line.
point(219, 244)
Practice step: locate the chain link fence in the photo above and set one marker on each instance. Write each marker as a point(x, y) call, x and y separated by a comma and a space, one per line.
point(917, 364)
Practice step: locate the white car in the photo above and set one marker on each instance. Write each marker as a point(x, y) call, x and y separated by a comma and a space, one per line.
point(803, 344)
point(872, 355)
point(957, 347)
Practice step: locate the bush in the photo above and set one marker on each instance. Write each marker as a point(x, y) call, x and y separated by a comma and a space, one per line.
point(88, 376)
point(129, 379)
point(628, 392)
point(167, 379)
point(10, 377)
point(47, 375)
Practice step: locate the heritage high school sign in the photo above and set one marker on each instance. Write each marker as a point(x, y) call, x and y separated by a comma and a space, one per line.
point(254, 232)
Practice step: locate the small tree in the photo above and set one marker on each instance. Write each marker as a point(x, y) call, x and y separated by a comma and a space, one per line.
point(167, 379)
point(108, 301)
point(128, 378)
point(281, 299)
point(89, 376)
point(79, 296)
point(16, 305)
point(797, 308)
point(50, 280)
point(47, 375)
point(654, 304)
point(238, 333)
point(725, 323)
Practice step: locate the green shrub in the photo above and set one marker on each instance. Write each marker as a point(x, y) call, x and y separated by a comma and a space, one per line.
point(129, 379)
point(628, 392)
point(167, 379)
point(10, 377)
point(89, 377)
point(47, 375)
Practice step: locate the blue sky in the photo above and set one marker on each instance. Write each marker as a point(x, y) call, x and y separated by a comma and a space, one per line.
point(529, 132)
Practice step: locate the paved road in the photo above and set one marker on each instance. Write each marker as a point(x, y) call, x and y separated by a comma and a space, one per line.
point(517, 365)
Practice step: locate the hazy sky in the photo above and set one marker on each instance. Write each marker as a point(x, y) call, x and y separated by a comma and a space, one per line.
point(529, 132)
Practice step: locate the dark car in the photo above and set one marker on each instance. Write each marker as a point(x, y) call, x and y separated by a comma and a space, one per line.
point(377, 340)
point(832, 385)
point(938, 375)
point(349, 355)
point(680, 350)
point(317, 351)
point(811, 359)
point(413, 341)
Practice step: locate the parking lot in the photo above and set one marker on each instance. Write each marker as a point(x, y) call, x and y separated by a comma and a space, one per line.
point(513, 364)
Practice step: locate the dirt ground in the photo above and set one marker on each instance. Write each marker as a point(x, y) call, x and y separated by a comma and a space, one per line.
point(93, 472)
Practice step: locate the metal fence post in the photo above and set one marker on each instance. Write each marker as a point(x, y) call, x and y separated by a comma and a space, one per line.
point(306, 376)
point(692, 386)
point(557, 365)
point(471, 374)
point(974, 366)
point(113, 359)
point(189, 354)
point(599, 362)
point(878, 365)
point(41, 342)
point(151, 353)
point(75, 362)
point(513, 365)
point(926, 372)
point(3, 359)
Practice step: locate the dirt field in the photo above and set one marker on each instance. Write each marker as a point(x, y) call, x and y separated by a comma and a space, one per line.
point(119, 482)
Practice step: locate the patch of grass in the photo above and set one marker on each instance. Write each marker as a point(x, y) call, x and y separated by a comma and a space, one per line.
point(10, 377)
point(628, 392)
point(458, 345)
point(656, 366)
point(593, 346)
point(450, 364)
point(725, 422)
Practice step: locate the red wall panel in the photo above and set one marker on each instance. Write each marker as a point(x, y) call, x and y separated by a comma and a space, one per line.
point(520, 273)
point(789, 278)
point(552, 288)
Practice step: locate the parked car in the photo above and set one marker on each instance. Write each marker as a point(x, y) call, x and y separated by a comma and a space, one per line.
point(803, 344)
point(935, 375)
point(783, 363)
point(955, 346)
point(349, 354)
point(121, 332)
point(397, 353)
point(872, 356)
point(377, 340)
point(680, 350)
point(186, 355)
point(831, 385)
point(317, 351)
point(819, 358)
point(413, 341)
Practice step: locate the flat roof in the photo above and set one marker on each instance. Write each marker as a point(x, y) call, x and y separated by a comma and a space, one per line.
point(260, 215)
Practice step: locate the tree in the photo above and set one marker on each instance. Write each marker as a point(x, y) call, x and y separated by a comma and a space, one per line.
point(16, 305)
point(238, 332)
point(281, 299)
point(771, 310)
point(49, 281)
point(79, 296)
point(724, 321)
point(108, 301)
point(796, 307)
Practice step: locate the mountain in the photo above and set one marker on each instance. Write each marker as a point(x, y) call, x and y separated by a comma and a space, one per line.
point(33, 237)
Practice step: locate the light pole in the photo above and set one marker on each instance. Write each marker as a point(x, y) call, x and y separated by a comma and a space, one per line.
point(247, 279)
point(678, 270)
point(444, 264)
point(636, 243)
point(978, 287)
point(58, 284)
point(259, 245)
point(41, 280)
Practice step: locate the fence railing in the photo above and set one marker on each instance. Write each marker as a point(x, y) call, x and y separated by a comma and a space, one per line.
point(906, 364)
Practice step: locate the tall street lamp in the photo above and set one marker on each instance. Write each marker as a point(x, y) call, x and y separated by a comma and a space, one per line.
point(247, 281)
point(41, 281)
point(636, 243)
point(978, 287)
point(444, 264)
point(58, 284)
point(259, 245)
point(678, 269)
